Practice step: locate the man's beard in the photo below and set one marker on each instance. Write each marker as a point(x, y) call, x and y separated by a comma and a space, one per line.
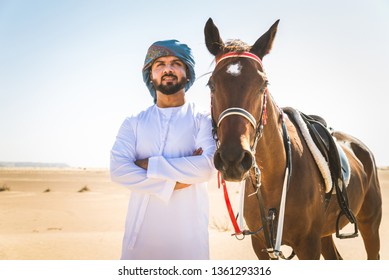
point(170, 88)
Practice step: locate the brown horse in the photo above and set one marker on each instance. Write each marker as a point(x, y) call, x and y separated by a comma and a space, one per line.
point(248, 127)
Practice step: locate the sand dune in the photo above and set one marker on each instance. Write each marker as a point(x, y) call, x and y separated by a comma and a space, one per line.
point(67, 214)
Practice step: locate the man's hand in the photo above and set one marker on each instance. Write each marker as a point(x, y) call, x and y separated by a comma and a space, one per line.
point(142, 163)
point(198, 152)
point(180, 186)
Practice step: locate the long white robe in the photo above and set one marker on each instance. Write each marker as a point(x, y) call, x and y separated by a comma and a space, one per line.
point(162, 223)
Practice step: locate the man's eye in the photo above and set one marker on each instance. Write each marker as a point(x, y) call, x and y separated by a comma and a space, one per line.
point(178, 64)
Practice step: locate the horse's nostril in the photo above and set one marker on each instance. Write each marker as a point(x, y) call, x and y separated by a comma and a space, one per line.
point(247, 160)
point(243, 162)
point(217, 160)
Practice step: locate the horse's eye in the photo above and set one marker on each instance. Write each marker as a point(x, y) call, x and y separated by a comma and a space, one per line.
point(264, 86)
point(211, 86)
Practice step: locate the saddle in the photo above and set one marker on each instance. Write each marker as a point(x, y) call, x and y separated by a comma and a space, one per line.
point(329, 148)
point(336, 159)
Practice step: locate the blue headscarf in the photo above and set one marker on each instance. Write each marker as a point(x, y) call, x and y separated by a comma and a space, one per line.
point(168, 48)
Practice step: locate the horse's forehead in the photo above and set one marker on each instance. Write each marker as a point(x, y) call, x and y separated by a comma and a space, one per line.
point(239, 69)
point(234, 69)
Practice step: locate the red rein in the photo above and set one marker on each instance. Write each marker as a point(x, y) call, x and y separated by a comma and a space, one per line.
point(220, 180)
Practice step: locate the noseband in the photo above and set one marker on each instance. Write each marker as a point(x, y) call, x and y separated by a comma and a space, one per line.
point(237, 111)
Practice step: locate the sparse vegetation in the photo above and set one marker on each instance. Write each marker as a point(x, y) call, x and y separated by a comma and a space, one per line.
point(220, 225)
point(4, 188)
point(54, 228)
point(84, 189)
point(47, 190)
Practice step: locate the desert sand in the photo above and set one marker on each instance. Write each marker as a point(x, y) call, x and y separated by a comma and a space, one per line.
point(78, 214)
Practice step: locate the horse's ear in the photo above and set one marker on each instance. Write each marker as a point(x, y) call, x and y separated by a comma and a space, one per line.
point(212, 38)
point(264, 44)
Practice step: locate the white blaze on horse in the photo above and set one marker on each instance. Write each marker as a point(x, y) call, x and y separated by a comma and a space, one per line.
point(261, 144)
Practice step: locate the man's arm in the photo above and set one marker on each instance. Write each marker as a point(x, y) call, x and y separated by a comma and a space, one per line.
point(189, 169)
point(124, 170)
point(144, 163)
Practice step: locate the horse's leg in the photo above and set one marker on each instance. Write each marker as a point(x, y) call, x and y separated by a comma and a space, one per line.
point(370, 214)
point(328, 249)
point(308, 248)
point(369, 219)
point(258, 246)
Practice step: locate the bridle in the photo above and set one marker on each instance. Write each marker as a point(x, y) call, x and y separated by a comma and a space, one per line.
point(267, 218)
point(240, 111)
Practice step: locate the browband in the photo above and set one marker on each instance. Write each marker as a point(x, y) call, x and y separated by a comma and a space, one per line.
point(240, 54)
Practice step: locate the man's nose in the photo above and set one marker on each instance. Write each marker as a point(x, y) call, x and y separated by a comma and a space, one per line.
point(168, 68)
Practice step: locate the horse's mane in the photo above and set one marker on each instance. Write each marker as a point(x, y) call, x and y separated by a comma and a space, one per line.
point(236, 45)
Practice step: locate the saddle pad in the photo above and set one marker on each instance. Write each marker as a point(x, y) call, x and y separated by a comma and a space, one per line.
point(344, 164)
point(319, 159)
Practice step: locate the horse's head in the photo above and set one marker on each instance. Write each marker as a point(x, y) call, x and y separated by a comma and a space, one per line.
point(238, 92)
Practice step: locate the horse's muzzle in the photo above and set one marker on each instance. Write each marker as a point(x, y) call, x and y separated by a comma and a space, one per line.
point(233, 166)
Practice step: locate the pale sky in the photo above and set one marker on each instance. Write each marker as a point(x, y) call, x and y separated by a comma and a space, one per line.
point(70, 71)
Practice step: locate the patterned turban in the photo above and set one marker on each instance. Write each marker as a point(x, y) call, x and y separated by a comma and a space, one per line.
point(168, 48)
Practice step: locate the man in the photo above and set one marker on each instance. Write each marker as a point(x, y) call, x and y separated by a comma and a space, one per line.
point(164, 155)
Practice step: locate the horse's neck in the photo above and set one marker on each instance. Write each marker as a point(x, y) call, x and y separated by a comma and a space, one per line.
point(270, 153)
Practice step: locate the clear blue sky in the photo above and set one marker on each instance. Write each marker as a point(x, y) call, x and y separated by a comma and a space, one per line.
point(70, 71)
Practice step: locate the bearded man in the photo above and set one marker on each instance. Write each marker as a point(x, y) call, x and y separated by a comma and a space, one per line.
point(164, 156)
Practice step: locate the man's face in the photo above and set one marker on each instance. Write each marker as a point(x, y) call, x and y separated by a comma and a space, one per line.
point(168, 74)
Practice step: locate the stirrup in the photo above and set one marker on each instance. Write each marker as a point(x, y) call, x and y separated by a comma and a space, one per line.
point(352, 221)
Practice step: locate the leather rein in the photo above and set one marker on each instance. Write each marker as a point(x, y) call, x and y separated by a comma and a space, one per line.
point(273, 237)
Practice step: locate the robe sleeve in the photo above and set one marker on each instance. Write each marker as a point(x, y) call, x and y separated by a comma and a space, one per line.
point(190, 169)
point(125, 172)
